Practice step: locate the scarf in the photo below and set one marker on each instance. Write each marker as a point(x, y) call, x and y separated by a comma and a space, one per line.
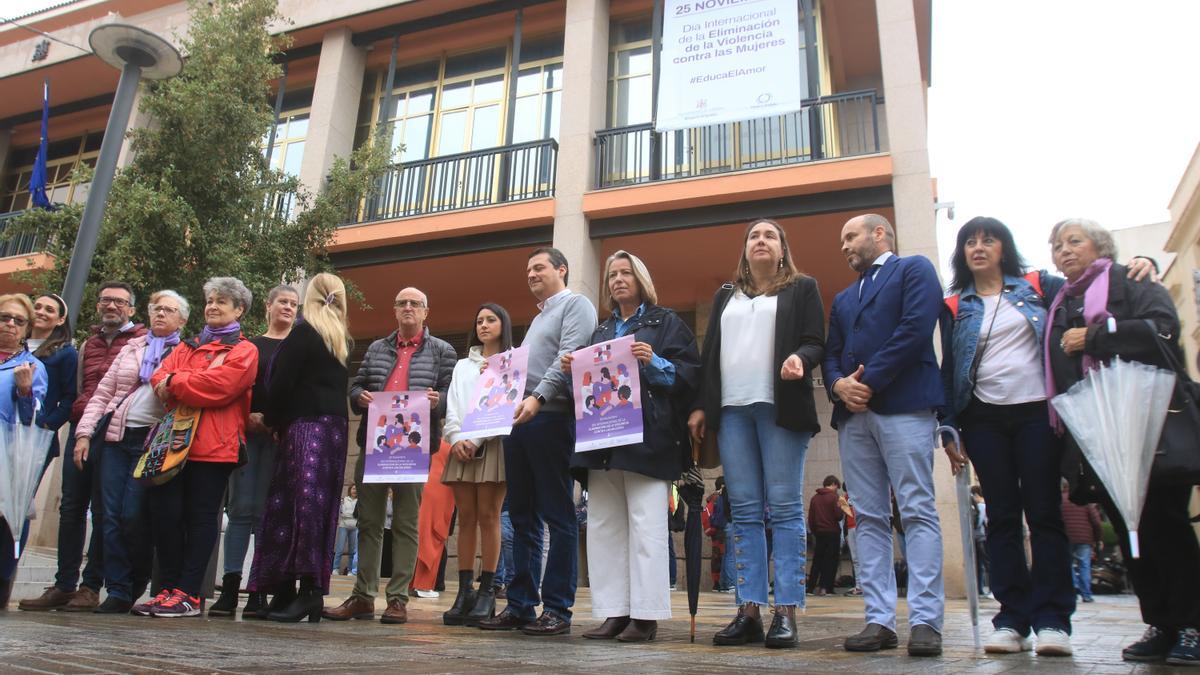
point(209, 333)
point(154, 353)
point(1093, 286)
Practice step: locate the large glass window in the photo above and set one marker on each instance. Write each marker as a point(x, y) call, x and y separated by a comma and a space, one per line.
point(723, 147)
point(61, 159)
point(290, 133)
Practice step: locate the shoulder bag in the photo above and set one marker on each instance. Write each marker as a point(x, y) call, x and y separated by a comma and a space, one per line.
point(169, 441)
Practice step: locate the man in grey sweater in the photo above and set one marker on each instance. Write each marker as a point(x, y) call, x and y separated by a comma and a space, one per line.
point(537, 454)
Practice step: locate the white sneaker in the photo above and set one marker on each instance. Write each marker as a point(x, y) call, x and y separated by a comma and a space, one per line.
point(1007, 641)
point(1053, 642)
point(426, 594)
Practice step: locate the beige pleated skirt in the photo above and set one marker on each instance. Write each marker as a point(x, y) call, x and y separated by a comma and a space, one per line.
point(488, 469)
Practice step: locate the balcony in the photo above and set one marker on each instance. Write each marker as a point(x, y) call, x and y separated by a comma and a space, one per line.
point(24, 244)
point(830, 127)
point(466, 180)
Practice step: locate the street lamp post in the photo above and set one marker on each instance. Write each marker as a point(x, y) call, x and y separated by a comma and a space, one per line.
point(137, 53)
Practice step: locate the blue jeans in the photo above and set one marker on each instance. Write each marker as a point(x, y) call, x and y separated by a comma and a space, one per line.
point(764, 468)
point(504, 570)
point(127, 554)
point(247, 497)
point(1082, 569)
point(881, 454)
point(1017, 458)
point(347, 542)
point(537, 457)
point(727, 562)
point(80, 488)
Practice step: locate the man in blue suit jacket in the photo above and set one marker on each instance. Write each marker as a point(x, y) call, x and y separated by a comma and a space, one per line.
point(883, 377)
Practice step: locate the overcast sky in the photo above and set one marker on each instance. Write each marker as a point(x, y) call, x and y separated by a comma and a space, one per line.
point(1045, 110)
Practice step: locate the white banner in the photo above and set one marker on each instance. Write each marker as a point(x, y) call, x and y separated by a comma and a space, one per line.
point(728, 60)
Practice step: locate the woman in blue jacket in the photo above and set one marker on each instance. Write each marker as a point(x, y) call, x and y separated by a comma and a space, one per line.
point(50, 342)
point(22, 386)
point(992, 363)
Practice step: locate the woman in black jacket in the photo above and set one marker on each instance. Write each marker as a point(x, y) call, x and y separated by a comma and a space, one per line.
point(1100, 314)
point(628, 485)
point(306, 407)
point(766, 335)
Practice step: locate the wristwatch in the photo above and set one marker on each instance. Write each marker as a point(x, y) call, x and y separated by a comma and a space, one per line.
point(540, 399)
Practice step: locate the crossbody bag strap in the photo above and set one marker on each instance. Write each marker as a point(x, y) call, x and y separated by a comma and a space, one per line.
point(978, 359)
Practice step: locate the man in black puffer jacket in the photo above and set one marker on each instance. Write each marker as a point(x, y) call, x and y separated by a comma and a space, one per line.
point(409, 359)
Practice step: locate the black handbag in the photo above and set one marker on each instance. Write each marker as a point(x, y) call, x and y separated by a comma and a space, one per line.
point(1177, 459)
point(101, 429)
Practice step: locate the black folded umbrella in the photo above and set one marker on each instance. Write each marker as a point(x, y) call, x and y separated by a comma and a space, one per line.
point(692, 493)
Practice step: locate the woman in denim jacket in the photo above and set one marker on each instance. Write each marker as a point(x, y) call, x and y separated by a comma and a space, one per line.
point(992, 368)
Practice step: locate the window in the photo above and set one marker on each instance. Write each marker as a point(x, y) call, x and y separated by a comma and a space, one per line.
point(630, 73)
point(290, 133)
point(61, 159)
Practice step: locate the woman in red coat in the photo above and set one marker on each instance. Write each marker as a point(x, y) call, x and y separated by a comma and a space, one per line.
point(213, 372)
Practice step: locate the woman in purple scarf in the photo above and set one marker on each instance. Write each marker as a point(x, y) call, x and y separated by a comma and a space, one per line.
point(1098, 315)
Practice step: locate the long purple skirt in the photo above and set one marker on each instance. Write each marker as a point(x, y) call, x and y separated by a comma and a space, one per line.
point(299, 524)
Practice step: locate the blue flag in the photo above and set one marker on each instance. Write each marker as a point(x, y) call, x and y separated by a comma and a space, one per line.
point(37, 180)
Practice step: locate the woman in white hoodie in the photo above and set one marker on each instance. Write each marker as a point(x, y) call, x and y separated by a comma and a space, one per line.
point(475, 471)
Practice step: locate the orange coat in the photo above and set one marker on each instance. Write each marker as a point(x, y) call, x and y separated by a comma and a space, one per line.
point(433, 521)
point(222, 392)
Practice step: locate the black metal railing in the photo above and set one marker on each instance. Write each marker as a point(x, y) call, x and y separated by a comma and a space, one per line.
point(830, 127)
point(509, 173)
point(22, 244)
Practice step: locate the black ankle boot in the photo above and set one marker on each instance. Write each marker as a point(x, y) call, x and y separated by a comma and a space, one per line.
point(308, 603)
point(254, 602)
point(485, 607)
point(783, 628)
point(284, 594)
point(463, 602)
point(226, 604)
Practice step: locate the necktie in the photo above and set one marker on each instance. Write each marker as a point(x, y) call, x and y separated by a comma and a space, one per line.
point(868, 280)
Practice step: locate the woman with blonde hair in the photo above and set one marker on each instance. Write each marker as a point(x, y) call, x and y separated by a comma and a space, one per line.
point(306, 407)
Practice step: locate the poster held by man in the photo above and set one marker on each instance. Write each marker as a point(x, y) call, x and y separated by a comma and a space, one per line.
point(397, 448)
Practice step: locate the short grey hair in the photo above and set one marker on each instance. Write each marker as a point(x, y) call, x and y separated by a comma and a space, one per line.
point(184, 308)
point(1106, 247)
point(231, 288)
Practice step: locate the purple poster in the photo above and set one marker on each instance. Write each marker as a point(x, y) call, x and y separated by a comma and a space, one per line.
point(608, 395)
point(397, 438)
point(497, 392)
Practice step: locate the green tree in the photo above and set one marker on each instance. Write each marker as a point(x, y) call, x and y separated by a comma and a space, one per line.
point(198, 199)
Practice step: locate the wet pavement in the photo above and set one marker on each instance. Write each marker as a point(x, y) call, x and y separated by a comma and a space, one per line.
point(85, 643)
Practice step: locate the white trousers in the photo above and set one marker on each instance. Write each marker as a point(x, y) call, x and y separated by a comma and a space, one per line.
point(627, 545)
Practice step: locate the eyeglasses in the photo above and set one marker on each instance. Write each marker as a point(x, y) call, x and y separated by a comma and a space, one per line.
point(415, 304)
point(18, 321)
point(163, 309)
point(115, 302)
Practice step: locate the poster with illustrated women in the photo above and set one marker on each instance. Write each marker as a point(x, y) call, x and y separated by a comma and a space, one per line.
point(608, 395)
point(497, 391)
point(397, 438)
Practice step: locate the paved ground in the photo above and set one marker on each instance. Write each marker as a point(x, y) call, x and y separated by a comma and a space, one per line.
point(72, 643)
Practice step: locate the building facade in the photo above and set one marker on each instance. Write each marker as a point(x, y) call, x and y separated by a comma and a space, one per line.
point(520, 124)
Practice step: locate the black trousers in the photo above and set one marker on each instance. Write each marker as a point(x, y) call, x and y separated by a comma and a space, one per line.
point(185, 518)
point(1166, 578)
point(826, 554)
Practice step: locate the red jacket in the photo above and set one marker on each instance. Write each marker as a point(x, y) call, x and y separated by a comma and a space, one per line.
point(824, 513)
point(95, 356)
point(222, 392)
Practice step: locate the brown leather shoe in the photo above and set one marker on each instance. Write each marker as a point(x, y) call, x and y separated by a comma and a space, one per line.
point(639, 630)
point(608, 630)
point(354, 607)
point(51, 598)
point(82, 600)
point(506, 620)
point(548, 623)
point(396, 612)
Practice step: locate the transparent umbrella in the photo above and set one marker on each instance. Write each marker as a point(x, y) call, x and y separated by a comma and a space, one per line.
point(1115, 414)
point(962, 492)
point(22, 455)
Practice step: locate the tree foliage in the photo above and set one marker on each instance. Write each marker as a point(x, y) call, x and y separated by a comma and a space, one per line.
point(198, 199)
